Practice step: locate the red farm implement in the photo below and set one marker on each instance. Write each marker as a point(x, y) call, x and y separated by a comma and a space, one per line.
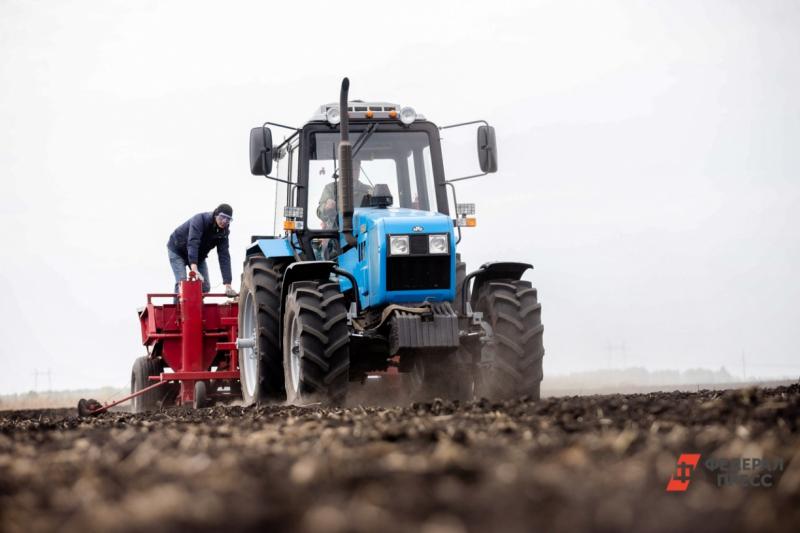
point(192, 358)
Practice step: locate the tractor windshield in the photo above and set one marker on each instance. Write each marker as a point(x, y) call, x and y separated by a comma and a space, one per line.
point(399, 159)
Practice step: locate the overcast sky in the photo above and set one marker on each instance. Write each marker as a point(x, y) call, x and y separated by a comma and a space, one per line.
point(648, 161)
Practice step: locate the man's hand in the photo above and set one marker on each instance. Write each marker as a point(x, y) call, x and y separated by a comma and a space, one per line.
point(193, 267)
point(229, 292)
point(330, 205)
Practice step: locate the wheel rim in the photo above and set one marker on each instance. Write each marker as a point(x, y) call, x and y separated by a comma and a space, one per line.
point(295, 353)
point(249, 356)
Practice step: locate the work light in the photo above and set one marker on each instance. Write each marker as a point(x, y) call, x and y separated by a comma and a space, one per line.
point(408, 115)
point(332, 114)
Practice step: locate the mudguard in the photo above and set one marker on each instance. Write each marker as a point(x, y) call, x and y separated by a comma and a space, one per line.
point(305, 270)
point(301, 271)
point(492, 271)
point(271, 248)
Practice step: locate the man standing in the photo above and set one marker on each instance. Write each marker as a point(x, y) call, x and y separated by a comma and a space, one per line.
point(190, 243)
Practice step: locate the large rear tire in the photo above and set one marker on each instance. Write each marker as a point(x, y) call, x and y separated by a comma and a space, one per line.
point(512, 309)
point(143, 368)
point(261, 366)
point(316, 343)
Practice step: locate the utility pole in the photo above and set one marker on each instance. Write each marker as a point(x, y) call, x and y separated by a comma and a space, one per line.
point(622, 348)
point(37, 373)
point(744, 367)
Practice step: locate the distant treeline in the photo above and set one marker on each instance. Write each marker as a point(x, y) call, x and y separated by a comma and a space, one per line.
point(638, 376)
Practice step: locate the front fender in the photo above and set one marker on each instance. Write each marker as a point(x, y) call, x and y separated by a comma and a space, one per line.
point(489, 272)
point(302, 271)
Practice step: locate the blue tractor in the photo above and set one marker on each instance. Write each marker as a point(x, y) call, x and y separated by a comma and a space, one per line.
point(366, 277)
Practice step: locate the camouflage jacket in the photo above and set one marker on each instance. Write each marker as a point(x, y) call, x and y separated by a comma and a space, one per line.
point(330, 219)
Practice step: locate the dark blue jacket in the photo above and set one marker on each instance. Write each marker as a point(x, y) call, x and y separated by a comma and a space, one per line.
point(196, 237)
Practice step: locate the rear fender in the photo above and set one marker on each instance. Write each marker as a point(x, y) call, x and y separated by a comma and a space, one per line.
point(490, 272)
point(270, 247)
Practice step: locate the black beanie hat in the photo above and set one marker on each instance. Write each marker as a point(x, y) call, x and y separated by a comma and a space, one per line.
point(224, 208)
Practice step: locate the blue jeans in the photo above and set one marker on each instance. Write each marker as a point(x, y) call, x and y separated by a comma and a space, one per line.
point(179, 267)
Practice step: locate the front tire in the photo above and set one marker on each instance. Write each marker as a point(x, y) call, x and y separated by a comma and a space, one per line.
point(511, 364)
point(261, 366)
point(316, 343)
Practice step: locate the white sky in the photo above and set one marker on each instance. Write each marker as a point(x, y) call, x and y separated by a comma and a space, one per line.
point(648, 161)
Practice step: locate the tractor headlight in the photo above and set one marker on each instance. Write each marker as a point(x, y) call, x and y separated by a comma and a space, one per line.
point(437, 244)
point(398, 245)
point(332, 114)
point(408, 115)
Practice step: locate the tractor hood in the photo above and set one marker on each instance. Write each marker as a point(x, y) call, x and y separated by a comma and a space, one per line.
point(415, 276)
point(401, 220)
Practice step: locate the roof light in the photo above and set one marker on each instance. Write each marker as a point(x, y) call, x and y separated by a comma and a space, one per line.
point(333, 116)
point(392, 114)
point(408, 115)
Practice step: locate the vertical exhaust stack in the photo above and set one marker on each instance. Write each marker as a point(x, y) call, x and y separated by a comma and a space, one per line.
point(345, 200)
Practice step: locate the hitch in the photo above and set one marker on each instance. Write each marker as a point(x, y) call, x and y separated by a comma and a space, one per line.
point(92, 407)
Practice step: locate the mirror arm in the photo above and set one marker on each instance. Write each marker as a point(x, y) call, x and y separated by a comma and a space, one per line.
point(466, 177)
point(279, 180)
point(464, 124)
point(288, 139)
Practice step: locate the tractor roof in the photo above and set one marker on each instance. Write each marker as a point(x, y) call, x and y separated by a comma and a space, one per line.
point(379, 109)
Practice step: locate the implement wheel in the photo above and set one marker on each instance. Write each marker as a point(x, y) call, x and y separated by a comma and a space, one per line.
point(259, 308)
point(511, 365)
point(143, 368)
point(200, 395)
point(316, 343)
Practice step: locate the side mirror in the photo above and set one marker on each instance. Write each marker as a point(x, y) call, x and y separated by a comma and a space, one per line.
point(487, 149)
point(260, 151)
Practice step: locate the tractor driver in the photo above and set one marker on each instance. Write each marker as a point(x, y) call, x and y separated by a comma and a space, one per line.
point(326, 210)
point(190, 243)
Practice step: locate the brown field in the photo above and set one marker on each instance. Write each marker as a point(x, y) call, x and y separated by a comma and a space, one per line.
point(596, 463)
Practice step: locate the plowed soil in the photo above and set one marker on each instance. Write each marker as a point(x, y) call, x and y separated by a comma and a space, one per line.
point(597, 463)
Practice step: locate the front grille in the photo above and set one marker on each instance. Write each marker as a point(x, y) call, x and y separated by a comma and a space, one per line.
point(418, 244)
point(415, 273)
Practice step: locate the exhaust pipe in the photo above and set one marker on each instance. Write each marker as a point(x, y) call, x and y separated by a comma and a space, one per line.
point(345, 199)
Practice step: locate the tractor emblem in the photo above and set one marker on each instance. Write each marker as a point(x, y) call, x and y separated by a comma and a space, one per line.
point(417, 229)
